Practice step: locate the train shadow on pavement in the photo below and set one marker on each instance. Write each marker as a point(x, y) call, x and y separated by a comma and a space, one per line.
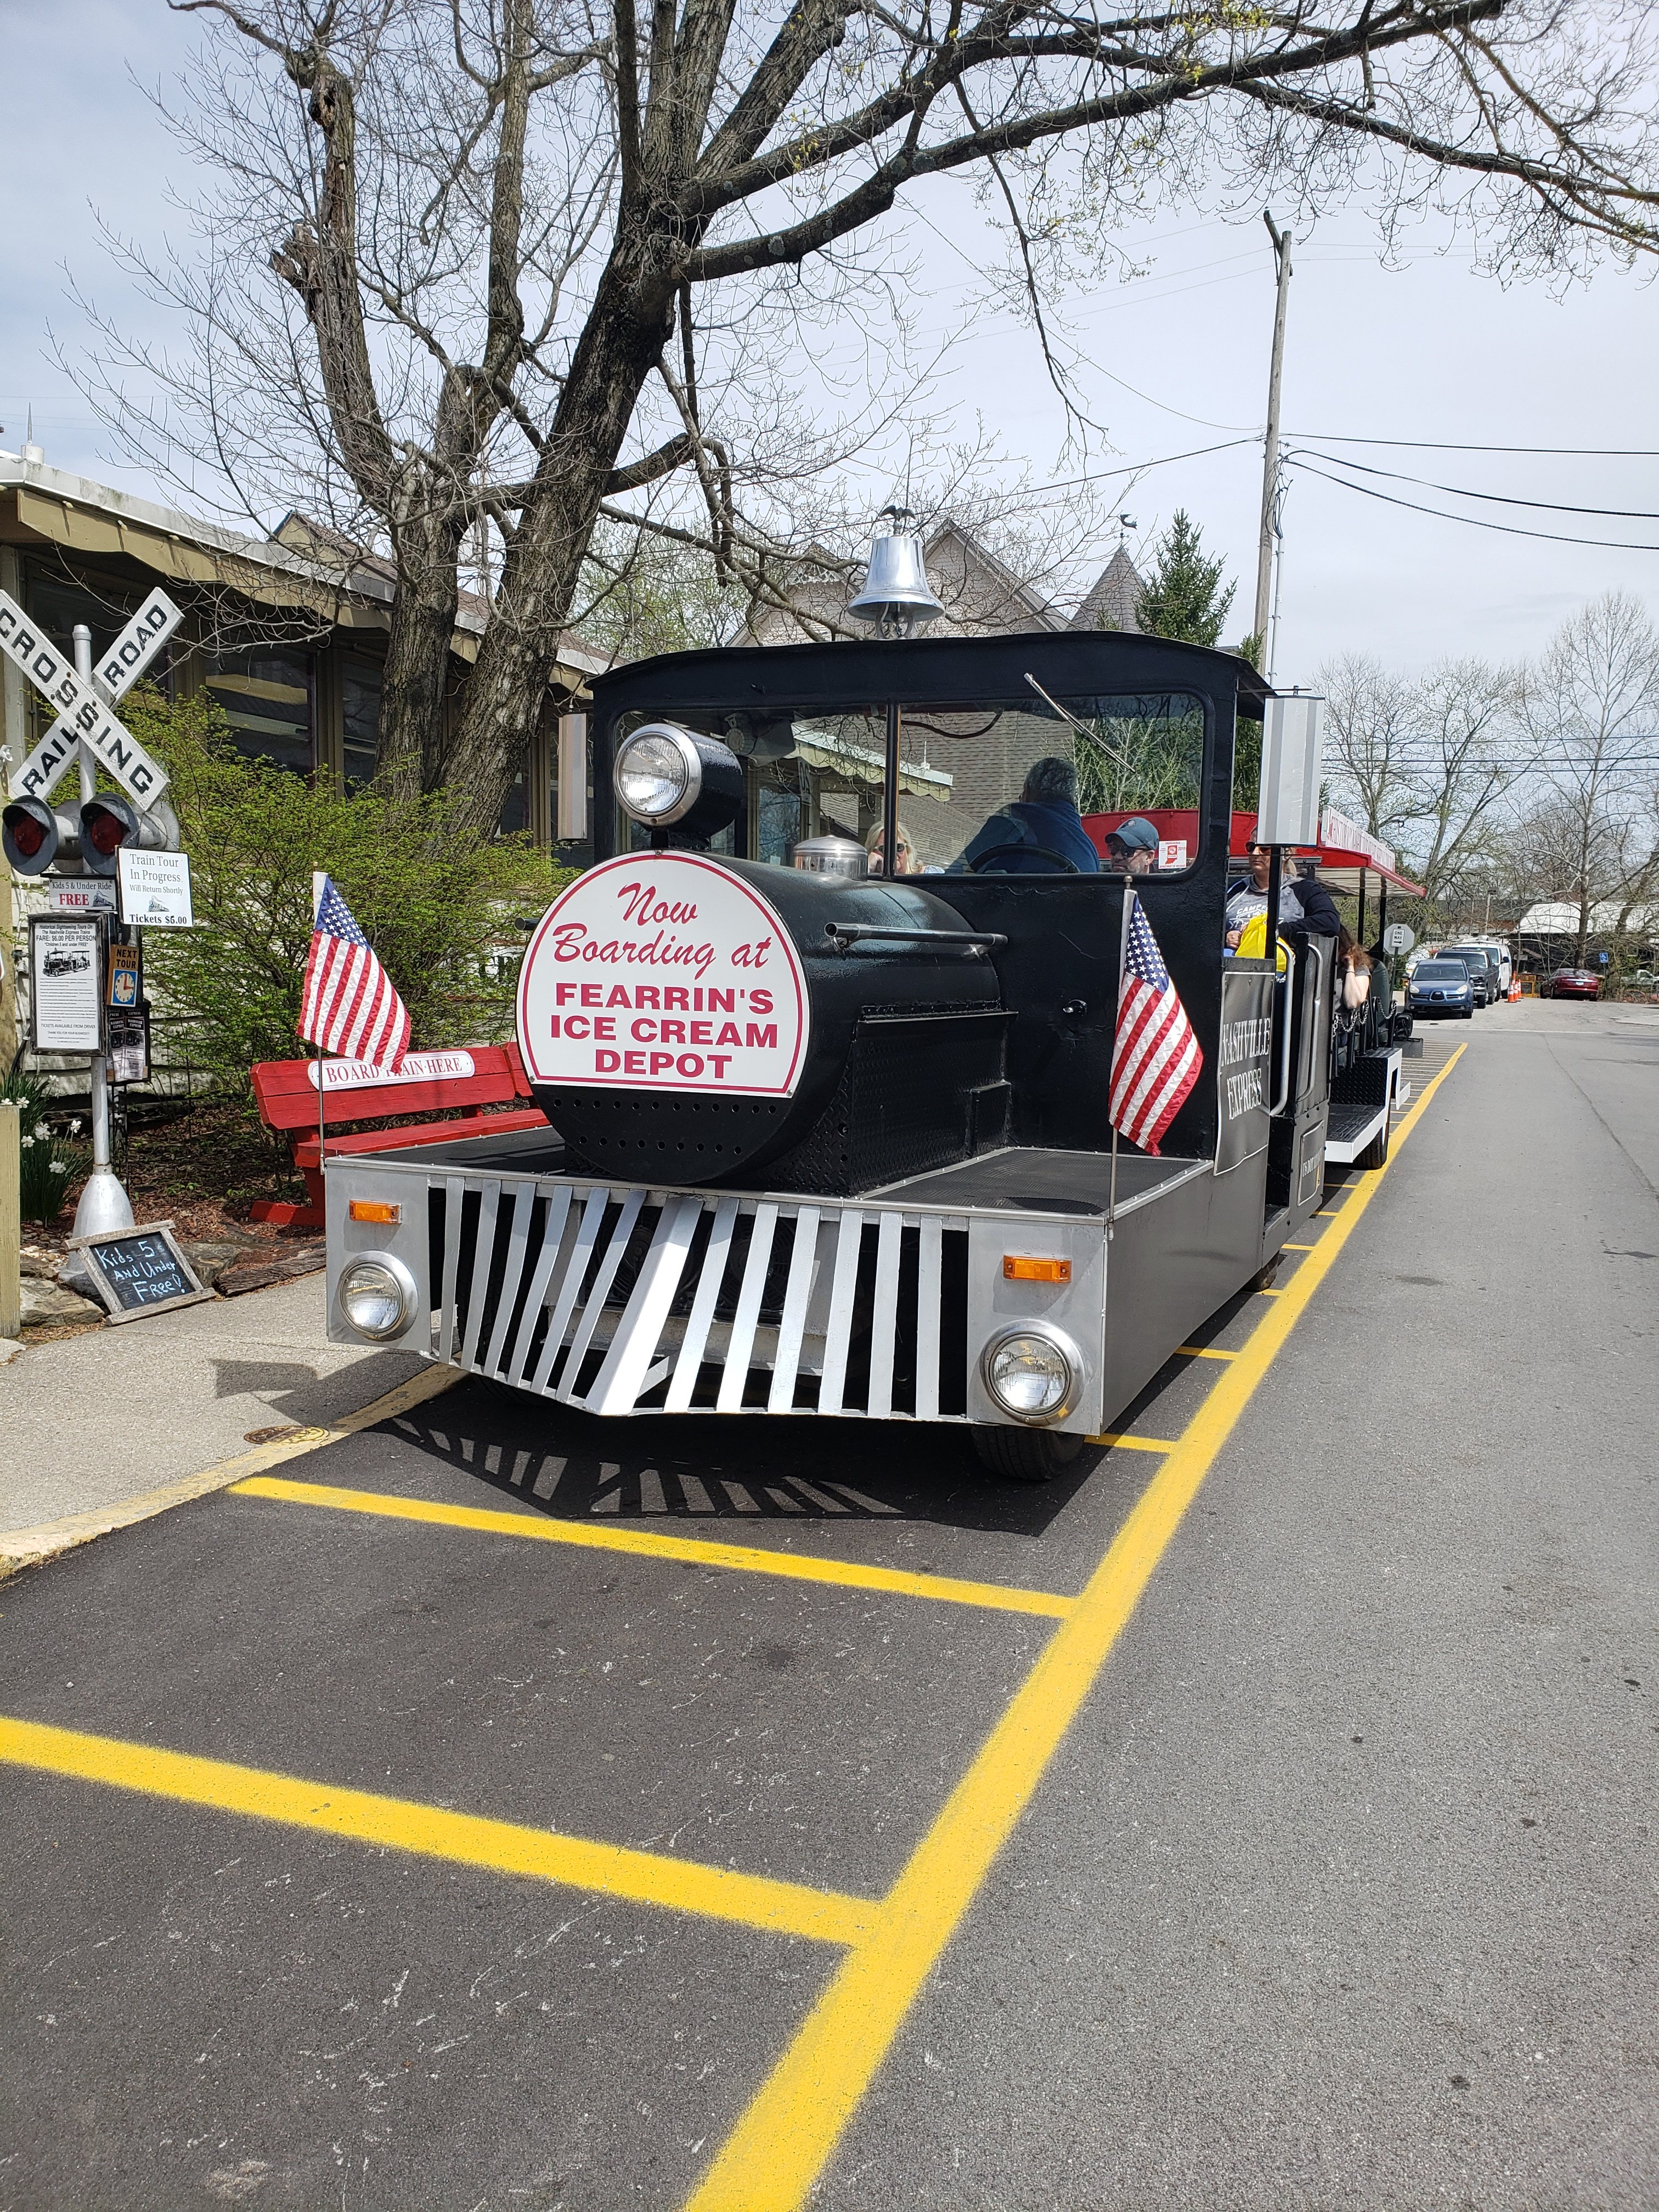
point(705, 1468)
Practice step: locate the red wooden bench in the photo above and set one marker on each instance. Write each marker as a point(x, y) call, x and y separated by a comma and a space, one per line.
point(285, 1093)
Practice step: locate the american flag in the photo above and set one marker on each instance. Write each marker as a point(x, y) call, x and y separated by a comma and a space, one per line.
point(348, 1005)
point(1155, 1058)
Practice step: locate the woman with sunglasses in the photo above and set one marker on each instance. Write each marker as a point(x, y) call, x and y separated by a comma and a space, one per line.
point(1305, 903)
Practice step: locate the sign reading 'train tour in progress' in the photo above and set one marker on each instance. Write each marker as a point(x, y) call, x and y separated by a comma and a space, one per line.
point(668, 970)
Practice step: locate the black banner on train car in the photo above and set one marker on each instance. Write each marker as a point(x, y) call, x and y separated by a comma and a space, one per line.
point(1245, 1077)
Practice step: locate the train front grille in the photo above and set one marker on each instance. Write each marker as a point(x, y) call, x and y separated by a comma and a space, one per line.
point(623, 1300)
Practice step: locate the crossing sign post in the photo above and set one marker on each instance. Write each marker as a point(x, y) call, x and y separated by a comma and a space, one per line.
point(88, 732)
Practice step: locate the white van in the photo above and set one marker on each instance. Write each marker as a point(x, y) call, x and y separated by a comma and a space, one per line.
point(1497, 955)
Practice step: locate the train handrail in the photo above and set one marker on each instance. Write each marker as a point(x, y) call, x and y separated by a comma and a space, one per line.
point(1284, 1089)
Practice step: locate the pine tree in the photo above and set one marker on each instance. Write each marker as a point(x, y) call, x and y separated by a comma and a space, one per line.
point(1184, 599)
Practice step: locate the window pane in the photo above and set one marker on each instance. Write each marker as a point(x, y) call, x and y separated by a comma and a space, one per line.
point(1038, 787)
point(360, 687)
point(266, 693)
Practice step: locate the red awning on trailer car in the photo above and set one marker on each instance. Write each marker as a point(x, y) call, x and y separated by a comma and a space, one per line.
point(1347, 857)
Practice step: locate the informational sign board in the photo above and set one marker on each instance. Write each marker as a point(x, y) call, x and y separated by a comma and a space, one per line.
point(154, 887)
point(1171, 852)
point(126, 1043)
point(1244, 1073)
point(80, 894)
point(667, 971)
point(1396, 938)
point(83, 719)
point(66, 985)
point(417, 1067)
point(140, 1271)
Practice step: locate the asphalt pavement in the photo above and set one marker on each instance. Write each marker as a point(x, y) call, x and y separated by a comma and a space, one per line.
point(469, 1814)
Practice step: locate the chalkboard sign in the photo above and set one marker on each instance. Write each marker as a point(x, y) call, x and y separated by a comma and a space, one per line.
point(140, 1271)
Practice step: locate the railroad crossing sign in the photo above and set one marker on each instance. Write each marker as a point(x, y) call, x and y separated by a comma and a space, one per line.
point(84, 718)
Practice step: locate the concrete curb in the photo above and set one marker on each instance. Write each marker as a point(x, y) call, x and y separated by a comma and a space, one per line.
point(30, 1548)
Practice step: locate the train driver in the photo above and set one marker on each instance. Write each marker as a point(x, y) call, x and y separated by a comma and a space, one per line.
point(1040, 833)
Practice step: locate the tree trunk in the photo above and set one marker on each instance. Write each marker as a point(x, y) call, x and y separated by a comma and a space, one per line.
point(410, 759)
point(632, 320)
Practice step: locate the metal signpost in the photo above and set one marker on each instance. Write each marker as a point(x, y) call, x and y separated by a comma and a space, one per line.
point(89, 733)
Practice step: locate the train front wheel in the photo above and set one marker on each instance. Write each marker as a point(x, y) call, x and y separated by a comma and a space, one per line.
point(1025, 1455)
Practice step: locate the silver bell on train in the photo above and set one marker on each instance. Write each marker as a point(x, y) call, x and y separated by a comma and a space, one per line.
point(897, 596)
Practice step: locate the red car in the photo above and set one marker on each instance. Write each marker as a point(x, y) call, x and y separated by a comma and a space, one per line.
point(1573, 984)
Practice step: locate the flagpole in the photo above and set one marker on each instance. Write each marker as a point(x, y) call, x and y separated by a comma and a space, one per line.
point(1117, 1015)
point(318, 879)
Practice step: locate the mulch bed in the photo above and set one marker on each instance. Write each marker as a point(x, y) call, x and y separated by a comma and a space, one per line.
point(201, 1169)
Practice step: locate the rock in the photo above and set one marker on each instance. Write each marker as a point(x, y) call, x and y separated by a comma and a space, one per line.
point(74, 1275)
point(45, 1304)
point(9, 1348)
point(210, 1261)
point(45, 1265)
point(277, 1263)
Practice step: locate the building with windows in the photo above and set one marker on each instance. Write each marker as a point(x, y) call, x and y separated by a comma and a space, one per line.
point(286, 633)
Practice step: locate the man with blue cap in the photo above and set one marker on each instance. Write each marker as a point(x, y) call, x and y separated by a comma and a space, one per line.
point(1133, 846)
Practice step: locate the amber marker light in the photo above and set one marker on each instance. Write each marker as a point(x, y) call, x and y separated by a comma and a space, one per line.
point(388, 1216)
point(1016, 1269)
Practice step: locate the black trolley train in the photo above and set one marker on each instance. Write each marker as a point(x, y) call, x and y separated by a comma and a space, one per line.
point(874, 1176)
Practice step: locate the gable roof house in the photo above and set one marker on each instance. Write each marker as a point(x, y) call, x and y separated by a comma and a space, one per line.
point(980, 595)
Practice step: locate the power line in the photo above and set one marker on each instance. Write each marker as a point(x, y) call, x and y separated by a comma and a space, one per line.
point(1496, 498)
point(1110, 476)
point(1434, 445)
point(1473, 521)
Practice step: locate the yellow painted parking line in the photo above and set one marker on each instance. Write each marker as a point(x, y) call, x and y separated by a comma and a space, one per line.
point(1135, 1444)
point(744, 1558)
point(430, 1832)
point(1296, 1248)
point(778, 2148)
point(1204, 1351)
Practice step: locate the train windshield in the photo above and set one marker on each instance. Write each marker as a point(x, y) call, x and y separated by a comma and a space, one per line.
point(1043, 784)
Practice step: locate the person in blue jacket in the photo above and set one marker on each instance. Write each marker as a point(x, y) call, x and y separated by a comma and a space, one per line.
point(1040, 833)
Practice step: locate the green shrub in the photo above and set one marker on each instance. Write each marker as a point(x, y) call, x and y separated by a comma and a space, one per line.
point(48, 1162)
point(439, 905)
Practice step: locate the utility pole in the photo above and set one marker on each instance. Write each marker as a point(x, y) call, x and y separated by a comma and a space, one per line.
point(1264, 564)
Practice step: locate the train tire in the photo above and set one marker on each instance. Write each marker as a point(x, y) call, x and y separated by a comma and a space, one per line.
point(1376, 1153)
point(1025, 1455)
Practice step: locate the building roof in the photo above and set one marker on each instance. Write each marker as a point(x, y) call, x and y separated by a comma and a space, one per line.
point(981, 596)
point(309, 566)
point(1113, 603)
point(1559, 918)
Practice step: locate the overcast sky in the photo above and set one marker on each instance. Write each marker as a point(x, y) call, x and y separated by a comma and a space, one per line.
point(1429, 351)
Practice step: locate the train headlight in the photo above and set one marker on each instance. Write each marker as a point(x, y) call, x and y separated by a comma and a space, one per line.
point(666, 777)
point(377, 1296)
point(1033, 1372)
point(658, 774)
